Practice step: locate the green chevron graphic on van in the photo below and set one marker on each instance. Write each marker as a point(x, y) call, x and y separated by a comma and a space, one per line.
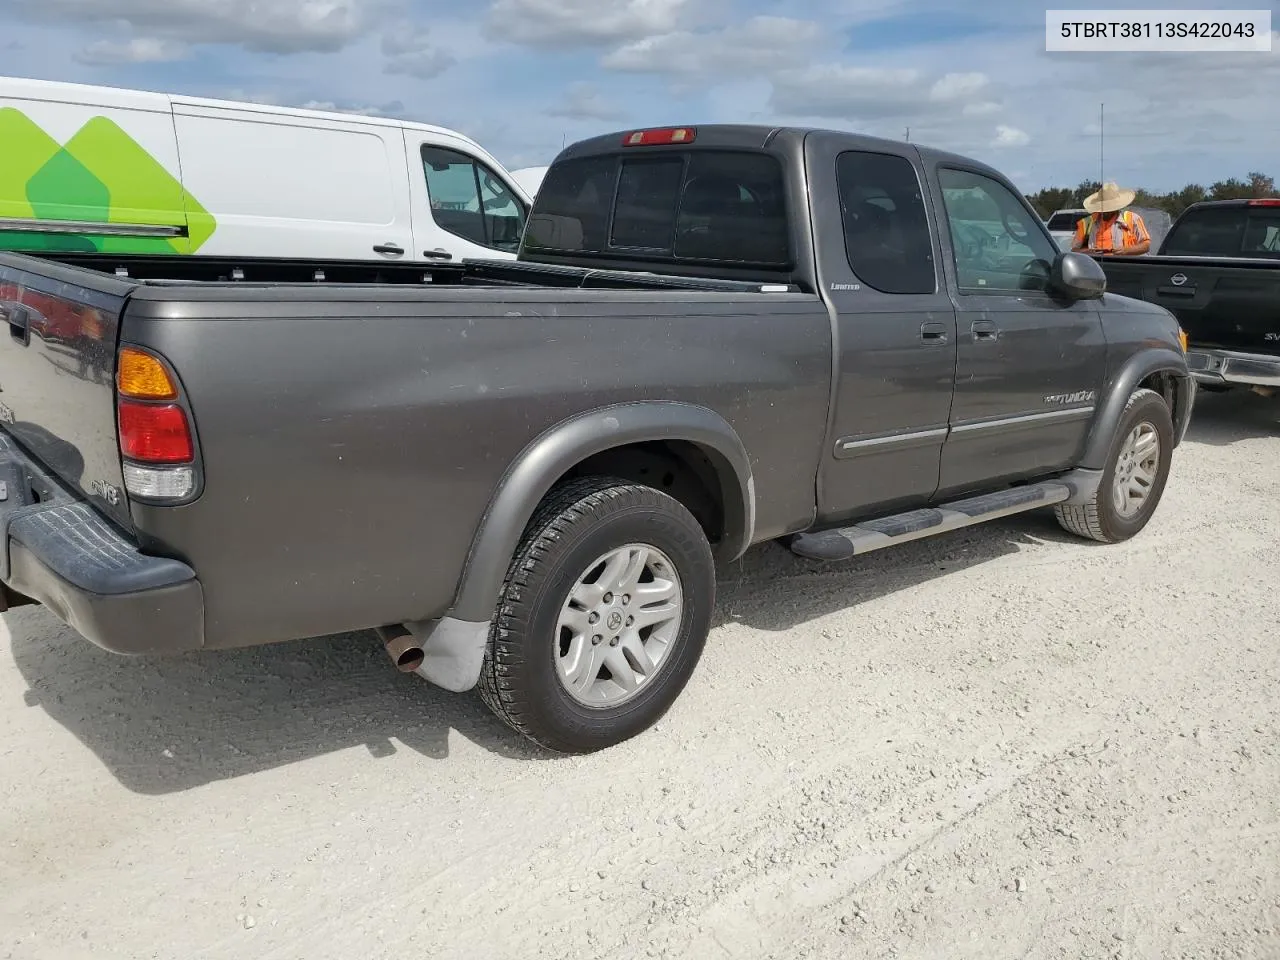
point(101, 175)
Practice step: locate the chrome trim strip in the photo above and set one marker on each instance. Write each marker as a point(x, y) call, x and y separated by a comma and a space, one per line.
point(1026, 420)
point(93, 227)
point(849, 447)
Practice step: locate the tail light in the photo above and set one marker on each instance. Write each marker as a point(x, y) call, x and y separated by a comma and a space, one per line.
point(156, 440)
point(1265, 202)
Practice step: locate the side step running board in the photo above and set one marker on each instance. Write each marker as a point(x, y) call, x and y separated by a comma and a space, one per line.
point(871, 535)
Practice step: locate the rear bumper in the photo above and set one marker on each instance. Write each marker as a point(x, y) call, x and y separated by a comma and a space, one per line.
point(60, 552)
point(1230, 367)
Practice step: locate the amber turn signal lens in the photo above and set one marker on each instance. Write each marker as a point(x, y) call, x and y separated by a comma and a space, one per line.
point(143, 377)
point(1182, 339)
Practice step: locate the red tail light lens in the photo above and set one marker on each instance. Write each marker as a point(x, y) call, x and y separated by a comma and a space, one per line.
point(666, 135)
point(1266, 202)
point(154, 433)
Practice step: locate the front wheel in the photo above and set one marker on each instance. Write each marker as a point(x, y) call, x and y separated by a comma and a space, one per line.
point(602, 618)
point(1134, 478)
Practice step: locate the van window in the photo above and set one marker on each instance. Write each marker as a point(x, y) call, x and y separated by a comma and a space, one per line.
point(697, 205)
point(469, 201)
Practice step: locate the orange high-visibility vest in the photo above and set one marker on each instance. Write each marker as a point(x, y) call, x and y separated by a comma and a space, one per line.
point(1126, 230)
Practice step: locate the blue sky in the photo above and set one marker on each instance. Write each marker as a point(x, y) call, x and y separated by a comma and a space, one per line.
point(524, 76)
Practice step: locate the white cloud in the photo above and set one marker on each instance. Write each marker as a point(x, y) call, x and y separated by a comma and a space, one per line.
point(836, 91)
point(584, 102)
point(589, 23)
point(760, 45)
point(268, 26)
point(411, 51)
point(1007, 136)
point(135, 50)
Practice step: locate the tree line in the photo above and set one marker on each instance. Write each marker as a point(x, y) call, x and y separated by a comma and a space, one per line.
point(1254, 186)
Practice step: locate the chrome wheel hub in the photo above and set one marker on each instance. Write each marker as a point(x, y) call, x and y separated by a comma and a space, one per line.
point(1136, 470)
point(617, 625)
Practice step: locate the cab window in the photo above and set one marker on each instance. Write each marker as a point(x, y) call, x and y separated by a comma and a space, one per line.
point(468, 200)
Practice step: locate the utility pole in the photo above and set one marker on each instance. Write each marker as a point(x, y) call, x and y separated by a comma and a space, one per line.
point(908, 136)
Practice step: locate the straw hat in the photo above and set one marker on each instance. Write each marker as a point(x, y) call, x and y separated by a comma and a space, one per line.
point(1109, 199)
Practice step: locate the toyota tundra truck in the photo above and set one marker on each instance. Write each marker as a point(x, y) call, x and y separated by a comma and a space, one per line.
point(522, 474)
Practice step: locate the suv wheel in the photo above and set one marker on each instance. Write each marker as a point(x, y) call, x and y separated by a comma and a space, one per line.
point(1135, 475)
point(602, 618)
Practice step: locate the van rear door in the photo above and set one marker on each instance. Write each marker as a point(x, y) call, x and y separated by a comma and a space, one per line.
point(89, 170)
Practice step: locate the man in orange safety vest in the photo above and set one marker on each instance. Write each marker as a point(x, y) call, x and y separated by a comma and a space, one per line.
point(1110, 229)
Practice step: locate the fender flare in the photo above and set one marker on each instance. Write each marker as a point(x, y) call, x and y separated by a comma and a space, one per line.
point(557, 450)
point(1136, 369)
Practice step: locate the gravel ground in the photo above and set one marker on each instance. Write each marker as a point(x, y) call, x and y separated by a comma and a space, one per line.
point(1003, 743)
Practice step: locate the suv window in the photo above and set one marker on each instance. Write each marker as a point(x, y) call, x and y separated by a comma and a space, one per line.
point(997, 244)
point(469, 201)
point(698, 205)
point(886, 230)
point(1226, 232)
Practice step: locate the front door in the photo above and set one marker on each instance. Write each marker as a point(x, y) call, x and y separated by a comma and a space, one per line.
point(894, 332)
point(1029, 365)
point(462, 208)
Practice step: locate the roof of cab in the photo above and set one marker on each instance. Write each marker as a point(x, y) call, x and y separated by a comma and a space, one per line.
point(757, 136)
point(88, 95)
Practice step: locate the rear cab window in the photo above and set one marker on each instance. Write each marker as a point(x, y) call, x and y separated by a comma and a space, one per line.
point(1235, 231)
point(1065, 222)
point(696, 206)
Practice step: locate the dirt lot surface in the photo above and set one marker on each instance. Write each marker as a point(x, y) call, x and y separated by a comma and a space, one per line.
point(1005, 743)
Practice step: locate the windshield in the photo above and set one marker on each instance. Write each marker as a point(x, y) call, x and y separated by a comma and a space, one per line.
point(1235, 231)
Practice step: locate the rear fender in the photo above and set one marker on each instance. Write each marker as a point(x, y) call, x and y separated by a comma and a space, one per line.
point(1136, 369)
point(558, 450)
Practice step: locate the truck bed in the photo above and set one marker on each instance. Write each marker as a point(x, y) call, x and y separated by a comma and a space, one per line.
point(390, 412)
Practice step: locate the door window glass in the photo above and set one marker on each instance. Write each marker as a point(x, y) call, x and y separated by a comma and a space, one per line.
point(886, 230)
point(998, 245)
point(469, 201)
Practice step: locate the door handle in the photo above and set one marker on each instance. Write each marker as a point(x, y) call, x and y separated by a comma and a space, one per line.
point(19, 320)
point(392, 248)
point(984, 330)
point(438, 254)
point(933, 332)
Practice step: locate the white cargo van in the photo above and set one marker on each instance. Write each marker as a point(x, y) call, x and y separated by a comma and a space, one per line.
point(103, 170)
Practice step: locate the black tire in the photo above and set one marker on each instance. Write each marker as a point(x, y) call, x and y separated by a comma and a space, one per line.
point(1099, 519)
point(577, 523)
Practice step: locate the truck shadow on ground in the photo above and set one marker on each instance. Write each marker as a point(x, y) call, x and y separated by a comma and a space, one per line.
point(1221, 419)
point(164, 725)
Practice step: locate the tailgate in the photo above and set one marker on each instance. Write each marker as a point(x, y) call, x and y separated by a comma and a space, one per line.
point(1231, 305)
point(58, 332)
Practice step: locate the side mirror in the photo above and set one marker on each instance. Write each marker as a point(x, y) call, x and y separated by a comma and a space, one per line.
point(1077, 276)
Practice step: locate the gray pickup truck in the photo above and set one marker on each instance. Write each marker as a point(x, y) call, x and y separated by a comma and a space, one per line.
point(522, 474)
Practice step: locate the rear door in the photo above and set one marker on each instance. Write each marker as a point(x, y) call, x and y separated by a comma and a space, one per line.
point(88, 170)
point(1028, 366)
point(463, 206)
point(895, 327)
point(276, 184)
point(58, 331)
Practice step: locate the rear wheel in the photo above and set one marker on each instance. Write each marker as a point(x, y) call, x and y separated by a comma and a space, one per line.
point(1134, 478)
point(602, 618)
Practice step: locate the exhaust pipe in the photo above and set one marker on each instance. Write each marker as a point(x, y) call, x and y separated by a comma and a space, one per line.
point(402, 647)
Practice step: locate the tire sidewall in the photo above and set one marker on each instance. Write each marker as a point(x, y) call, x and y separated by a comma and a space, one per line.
point(1151, 408)
point(672, 530)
